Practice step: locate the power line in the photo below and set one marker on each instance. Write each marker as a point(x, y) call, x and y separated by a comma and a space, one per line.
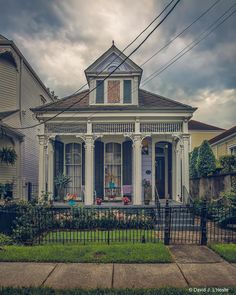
point(131, 43)
point(69, 107)
point(190, 46)
point(181, 33)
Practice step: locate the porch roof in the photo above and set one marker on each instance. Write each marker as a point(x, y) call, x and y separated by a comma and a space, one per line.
point(147, 101)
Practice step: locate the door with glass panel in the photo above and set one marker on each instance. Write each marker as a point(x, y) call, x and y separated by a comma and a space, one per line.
point(113, 170)
point(73, 167)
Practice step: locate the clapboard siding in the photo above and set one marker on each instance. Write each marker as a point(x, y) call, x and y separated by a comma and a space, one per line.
point(31, 91)
point(8, 86)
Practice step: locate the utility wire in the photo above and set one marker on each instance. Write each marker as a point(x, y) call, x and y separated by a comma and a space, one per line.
point(69, 107)
point(191, 45)
point(181, 33)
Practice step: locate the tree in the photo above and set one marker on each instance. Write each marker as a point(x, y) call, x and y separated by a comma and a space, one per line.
point(206, 162)
point(228, 163)
point(193, 163)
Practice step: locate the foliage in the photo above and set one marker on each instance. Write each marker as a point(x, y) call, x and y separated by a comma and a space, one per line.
point(8, 155)
point(228, 163)
point(98, 253)
point(6, 191)
point(61, 181)
point(5, 240)
point(193, 163)
point(206, 162)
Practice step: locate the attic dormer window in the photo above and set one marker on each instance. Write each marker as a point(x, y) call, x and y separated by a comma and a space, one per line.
point(99, 91)
point(127, 91)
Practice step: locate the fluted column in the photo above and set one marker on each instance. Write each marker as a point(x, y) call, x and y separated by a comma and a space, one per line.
point(42, 161)
point(50, 167)
point(137, 175)
point(89, 170)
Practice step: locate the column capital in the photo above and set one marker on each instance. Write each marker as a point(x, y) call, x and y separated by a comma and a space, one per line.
point(43, 140)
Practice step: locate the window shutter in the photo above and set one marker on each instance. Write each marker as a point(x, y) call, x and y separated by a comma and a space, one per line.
point(127, 91)
point(99, 91)
point(99, 168)
point(58, 159)
point(127, 162)
point(83, 163)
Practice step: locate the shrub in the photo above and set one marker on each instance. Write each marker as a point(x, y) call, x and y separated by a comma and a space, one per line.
point(228, 163)
point(8, 155)
point(5, 240)
point(193, 163)
point(206, 162)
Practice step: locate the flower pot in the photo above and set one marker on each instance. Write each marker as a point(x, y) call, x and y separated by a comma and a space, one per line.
point(71, 202)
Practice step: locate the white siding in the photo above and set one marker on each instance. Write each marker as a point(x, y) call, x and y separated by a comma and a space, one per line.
point(8, 86)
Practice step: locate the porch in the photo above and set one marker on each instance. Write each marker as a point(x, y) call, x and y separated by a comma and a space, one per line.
point(139, 160)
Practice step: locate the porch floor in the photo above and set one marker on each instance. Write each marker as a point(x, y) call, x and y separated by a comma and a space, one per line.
point(119, 204)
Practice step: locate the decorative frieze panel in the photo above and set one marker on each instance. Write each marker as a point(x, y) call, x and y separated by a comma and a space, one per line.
point(113, 127)
point(66, 128)
point(161, 127)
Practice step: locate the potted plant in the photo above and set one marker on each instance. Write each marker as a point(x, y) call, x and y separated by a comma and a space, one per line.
point(126, 200)
point(98, 201)
point(61, 182)
point(71, 198)
point(147, 191)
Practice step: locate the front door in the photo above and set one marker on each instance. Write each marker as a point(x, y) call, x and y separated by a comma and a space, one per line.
point(160, 176)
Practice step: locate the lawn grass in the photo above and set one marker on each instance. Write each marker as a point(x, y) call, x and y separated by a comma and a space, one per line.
point(98, 253)
point(82, 236)
point(160, 291)
point(227, 251)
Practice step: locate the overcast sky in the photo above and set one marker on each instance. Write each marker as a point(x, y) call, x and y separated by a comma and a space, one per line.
point(60, 38)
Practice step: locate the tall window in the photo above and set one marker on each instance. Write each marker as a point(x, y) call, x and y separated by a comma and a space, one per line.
point(127, 91)
point(99, 91)
point(113, 170)
point(73, 163)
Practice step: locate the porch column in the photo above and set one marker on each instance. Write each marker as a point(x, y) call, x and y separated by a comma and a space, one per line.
point(137, 175)
point(51, 167)
point(185, 165)
point(89, 170)
point(173, 170)
point(178, 171)
point(42, 160)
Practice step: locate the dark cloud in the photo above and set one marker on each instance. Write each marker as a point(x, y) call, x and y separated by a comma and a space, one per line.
point(61, 38)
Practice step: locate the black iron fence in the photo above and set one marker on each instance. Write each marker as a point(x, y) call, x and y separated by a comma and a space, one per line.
point(169, 224)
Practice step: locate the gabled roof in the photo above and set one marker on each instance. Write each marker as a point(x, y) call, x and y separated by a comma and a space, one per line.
point(113, 57)
point(147, 101)
point(223, 135)
point(197, 125)
point(6, 42)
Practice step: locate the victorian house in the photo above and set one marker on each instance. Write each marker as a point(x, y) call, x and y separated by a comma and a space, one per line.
point(115, 139)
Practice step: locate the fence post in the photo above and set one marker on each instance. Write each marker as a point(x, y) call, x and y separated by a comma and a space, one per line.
point(204, 223)
point(167, 224)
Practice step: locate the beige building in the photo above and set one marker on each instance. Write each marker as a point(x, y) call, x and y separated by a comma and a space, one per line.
point(200, 131)
point(224, 143)
point(20, 89)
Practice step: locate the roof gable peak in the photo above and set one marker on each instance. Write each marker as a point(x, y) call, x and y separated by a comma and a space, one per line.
point(112, 59)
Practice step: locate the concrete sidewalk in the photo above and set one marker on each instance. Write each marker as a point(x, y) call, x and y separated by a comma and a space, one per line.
point(194, 266)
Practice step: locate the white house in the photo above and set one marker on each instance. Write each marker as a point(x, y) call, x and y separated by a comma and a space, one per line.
point(20, 89)
point(110, 139)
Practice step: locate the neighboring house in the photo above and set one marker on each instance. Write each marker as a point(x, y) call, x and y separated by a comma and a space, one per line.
point(111, 139)
point(20, 89)
point(200, 131)
point(224, 143)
